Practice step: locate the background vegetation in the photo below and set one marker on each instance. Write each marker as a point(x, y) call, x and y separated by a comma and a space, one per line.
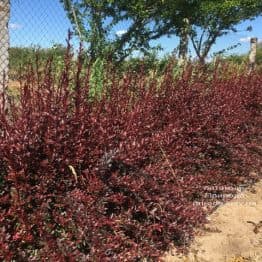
point(201, 22)
point(20, 58)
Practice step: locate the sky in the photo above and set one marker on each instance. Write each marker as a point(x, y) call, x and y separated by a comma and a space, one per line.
point(44, 23)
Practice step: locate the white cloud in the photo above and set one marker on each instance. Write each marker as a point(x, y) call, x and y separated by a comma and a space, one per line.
point(245, 39)
point(120, 32)
point(15, 26)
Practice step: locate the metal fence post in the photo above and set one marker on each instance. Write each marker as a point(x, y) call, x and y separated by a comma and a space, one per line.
point(4, 41)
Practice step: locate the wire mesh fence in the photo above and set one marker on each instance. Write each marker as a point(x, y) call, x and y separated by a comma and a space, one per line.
point(4, 40)
point(27, 25)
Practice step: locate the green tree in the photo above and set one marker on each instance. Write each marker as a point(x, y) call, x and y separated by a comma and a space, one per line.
point(214, 19)
point(176, 18)
point(96, 21)
point(201, 21)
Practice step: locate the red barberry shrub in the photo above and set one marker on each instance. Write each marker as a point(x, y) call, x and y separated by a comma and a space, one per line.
point(118, 178)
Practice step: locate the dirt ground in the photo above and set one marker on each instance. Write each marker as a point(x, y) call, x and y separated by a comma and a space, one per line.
point(233, 234)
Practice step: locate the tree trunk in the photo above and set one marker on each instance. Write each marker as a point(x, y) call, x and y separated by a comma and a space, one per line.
point(4, 42)
point(183, 43)
point(202, 60)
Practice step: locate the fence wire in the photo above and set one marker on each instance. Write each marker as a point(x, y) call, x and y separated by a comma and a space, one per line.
point(4, 40)
point(29, 24)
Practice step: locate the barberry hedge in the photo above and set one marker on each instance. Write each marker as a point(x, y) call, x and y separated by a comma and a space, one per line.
point(117, 177)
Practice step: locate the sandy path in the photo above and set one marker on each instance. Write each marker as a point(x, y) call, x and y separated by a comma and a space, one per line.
point(229, 237)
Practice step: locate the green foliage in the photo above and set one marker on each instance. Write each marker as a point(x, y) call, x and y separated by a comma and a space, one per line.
point(95, 23)
point(208, 19)
point(243, 59)
point(237, 59)
point(203, 21)
point(259, 55)
point(20, 57)
point(149, 63)
point(97, 79)
point(214, 19)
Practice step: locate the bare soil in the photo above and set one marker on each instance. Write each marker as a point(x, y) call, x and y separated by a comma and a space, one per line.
point(233, 234)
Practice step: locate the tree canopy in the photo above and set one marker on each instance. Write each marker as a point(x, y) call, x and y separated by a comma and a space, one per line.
point(217, 18)
point(96, 22)
point(203, 22)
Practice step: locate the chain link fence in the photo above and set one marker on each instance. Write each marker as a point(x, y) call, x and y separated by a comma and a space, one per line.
point(27, 25)
point(4, 40)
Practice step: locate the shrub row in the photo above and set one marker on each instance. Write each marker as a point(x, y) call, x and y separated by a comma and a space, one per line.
point(118, 177)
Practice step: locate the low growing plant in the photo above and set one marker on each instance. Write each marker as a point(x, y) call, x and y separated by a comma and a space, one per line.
point(120, 178)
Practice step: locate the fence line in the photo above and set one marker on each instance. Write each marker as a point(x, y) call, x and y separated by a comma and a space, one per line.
point(4, 41)
point(31, 23)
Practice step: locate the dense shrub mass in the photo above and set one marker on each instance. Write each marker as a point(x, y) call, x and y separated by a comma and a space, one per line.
point(117, 177)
